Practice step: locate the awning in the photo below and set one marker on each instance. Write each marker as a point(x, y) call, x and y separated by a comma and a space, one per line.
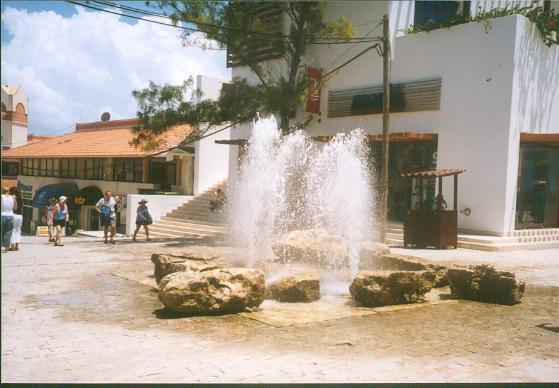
point(393, 137)
point(434, 173)
point(88, 196)
point(54, 191)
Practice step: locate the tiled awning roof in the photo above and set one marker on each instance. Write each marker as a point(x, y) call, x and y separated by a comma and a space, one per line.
point(434, 173)
point(99, 143)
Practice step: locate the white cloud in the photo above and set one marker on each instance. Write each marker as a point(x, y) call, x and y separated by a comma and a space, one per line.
point(73, 69)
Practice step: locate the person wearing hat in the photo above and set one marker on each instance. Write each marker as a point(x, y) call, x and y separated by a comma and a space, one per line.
point(142, 218)
point(106, 207)
point(60, 217)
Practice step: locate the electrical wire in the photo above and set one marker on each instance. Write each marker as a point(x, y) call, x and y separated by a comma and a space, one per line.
point(339, 40)
point(162, 15)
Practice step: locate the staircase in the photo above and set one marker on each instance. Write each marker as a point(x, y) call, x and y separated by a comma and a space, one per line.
point(521, 239)
point(192, 219)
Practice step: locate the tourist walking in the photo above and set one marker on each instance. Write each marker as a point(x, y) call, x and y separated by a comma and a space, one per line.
point(106, 208)
point(48, 218)
point(143, 218)
point(18, 219)
point(61, 216)
point(8, 205)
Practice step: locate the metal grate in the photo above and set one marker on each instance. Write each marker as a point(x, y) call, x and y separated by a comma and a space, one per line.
point(418, 96)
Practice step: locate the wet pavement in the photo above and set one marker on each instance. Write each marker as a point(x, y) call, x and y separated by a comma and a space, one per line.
point(87, 312)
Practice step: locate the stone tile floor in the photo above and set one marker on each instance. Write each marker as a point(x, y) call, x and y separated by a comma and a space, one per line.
point(67, 318)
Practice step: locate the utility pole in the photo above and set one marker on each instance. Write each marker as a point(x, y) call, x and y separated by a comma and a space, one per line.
point(385, 126)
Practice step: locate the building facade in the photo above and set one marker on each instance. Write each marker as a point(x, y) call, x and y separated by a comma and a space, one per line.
point(15, 110)
point(481, 96)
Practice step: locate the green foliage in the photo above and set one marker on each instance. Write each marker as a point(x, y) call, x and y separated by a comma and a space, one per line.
point(236, 26)
point(546, 21)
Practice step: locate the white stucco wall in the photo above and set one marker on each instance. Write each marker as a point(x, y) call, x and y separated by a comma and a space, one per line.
point(535, 99)
point(496, 82)
point(211, 161)
point(158, 206)
point(209, 86)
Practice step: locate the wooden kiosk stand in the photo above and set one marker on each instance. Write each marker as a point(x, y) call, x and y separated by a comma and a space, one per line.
point(432, 228)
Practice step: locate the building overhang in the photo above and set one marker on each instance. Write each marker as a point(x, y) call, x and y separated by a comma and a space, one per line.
point(540, 138)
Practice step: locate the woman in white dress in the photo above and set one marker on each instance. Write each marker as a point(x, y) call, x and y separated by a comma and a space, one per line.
point(18, 220)
point(8, 204)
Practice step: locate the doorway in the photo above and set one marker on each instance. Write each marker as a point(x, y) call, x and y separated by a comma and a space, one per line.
point(405, 157)
point(537, 199)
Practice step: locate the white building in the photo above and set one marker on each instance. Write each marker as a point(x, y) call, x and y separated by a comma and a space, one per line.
point(15, 110)
point(479, 96)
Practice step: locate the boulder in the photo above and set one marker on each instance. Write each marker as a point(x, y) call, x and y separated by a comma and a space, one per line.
point(312, 246)
point(370, 254)
point(485, 284)
point(294, 288)
point(218, 291)
point(166, 264)
point(381, 288)
point(393, 261)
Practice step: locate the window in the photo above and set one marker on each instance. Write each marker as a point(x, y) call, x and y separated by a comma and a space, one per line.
point(95, 168)
point(128, 169)
point(67, 168)
point(49, 167)
point(36, 168)
point(434, 11)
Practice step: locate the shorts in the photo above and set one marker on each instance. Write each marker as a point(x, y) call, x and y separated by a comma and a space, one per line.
point(61, 223)
point(107, 221)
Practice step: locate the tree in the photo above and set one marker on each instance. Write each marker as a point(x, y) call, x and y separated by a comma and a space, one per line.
point(253, 32)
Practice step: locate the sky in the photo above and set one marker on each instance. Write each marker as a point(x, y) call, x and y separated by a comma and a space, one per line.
point(74, 64)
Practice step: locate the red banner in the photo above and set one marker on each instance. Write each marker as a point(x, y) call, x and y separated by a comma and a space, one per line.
point(313, 93)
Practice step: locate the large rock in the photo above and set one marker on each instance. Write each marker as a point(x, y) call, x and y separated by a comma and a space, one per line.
point(381, 288)
point(371, 253)
point(218, 291)
point(312, 246)
point(392, 261)
point(166, 264)
point(294, 288)
point(485, 284)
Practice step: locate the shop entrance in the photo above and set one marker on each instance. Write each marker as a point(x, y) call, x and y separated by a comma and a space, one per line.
point(537, 199)
point(407, 154)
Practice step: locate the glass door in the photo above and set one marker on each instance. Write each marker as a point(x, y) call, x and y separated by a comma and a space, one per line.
point(537, 203)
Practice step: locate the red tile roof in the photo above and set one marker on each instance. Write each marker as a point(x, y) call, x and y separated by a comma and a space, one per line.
point(97, 143)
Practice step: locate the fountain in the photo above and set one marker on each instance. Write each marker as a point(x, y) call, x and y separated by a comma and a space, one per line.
point(289, 183)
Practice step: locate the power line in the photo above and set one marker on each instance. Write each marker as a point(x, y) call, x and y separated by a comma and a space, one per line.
point(163, 15)
point(339, 40)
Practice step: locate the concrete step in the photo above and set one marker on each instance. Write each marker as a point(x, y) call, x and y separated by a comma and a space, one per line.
point(198, 222)
point(187, 228)
point(198, 225)
point(175, 232)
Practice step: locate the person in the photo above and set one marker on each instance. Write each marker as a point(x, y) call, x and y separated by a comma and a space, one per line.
point(8, 205)
point(142, 218)
point(18, 220)
point(106, 208)
point(217, 204)
point(60, 216)
point(440, 203)
point(48, 217)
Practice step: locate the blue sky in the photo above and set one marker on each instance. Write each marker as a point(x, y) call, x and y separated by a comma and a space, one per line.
point(75, 63)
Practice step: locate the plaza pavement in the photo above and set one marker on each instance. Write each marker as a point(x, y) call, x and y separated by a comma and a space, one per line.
point(67, 318)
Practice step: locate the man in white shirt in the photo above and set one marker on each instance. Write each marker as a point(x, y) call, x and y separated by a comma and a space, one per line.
point(107, 213)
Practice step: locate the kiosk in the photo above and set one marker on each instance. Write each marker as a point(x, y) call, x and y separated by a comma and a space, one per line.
point(432, 227)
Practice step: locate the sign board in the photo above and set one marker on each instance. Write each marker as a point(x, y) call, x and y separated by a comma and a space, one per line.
point(42, 231)
point(313, 91)
point(26, 195)
point(23, 187)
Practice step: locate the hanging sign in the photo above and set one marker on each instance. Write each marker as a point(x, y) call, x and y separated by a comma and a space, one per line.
point(313, 92)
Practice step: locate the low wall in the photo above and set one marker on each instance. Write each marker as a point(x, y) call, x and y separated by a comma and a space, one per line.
point(158, 206)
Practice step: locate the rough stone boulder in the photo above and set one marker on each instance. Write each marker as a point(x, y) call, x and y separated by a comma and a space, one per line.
point(166, 264)
point(371, 253)
point(485, 284)
point(294, 288)
point(219, 291)
point(312, 246)
point(381, 288)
